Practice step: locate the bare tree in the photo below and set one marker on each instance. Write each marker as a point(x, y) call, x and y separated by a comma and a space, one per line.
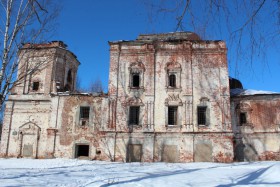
point(250, 27)
point(21, 21)
point(1, 120)
point(96, 86)
point(79, 88)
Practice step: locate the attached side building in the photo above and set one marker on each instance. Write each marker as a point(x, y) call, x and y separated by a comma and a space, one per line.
point(256, 125)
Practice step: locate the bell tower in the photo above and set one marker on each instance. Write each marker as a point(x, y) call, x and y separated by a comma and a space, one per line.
point(32, 108)
point(46, 68)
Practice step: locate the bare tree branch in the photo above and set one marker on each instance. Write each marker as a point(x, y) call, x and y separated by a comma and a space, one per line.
point(250, 27)
point(181, 17)
point(24, 21)
point(251, 18)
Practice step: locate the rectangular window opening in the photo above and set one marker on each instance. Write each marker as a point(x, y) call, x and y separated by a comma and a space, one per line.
point(201, 115)
point(84, 112)
point(242, 118)
point(172, 115)
point(35, 86)
point(134, 115)
point(172, 80)
point(135, 80)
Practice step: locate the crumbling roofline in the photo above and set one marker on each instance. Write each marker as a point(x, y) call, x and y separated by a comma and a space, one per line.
point(256, 96)
point(79, 94)
point(49, 44)
point(54, 47)
point(185, 133)
point(143, 42)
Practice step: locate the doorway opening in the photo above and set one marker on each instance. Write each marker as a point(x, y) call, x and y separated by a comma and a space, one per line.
point(134, 153)
point(82, 151)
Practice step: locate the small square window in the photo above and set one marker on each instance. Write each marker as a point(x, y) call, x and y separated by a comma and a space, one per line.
point(35, 86)
point(172, 115)
point(134, 115)
point(84, 112)
point(201, 115)
point(242, 118)
point(83, 123)
point(172, 80)
point(135, 80)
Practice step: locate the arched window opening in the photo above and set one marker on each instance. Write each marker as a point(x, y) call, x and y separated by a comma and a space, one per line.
point(68, 86)
point(242, 118)
point(69, 76)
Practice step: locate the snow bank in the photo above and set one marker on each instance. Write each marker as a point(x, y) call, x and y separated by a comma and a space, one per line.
point(40, 163)
point(71, 172)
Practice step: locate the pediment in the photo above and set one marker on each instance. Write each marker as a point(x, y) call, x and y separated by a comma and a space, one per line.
point(134, 101)
point(173, 99)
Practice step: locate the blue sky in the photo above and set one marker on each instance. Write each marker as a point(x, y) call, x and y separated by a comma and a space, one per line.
point(86, 26)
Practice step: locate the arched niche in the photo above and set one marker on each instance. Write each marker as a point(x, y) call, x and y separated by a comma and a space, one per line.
point(173, 76)
point(134, 101)
point(29, 135)
point(136, 75)
point(69, 81)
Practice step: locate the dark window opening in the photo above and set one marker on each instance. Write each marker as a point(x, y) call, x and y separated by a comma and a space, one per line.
point(84, 123)
point(134, 115)
point(68, 86)
point(69, 76)
point(242, 118)
point(82, 150)
point(135, 80)
point(84, 112)
point(172, 80)
point(35, 86)
point(172, 115)
point(201, 115)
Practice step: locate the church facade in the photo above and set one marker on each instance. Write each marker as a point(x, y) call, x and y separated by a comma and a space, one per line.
point(169, 99)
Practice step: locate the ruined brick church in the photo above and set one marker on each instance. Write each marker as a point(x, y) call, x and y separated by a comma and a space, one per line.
point(169, 99)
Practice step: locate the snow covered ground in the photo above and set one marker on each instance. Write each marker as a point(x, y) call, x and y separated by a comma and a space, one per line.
point(67, 172)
